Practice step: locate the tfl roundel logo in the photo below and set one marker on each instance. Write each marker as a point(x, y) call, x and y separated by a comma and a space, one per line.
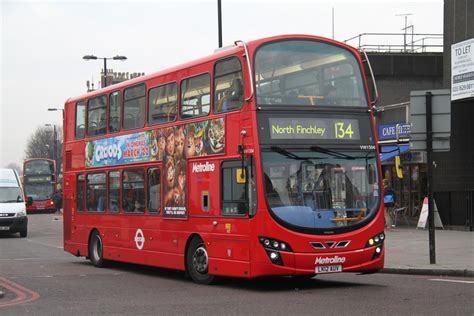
point(139, 239)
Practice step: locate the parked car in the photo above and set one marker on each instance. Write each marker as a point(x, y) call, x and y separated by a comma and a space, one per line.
point(13, 217)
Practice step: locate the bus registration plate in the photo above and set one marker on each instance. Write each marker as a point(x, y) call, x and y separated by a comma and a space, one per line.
point(329, 269)
point(4, 228)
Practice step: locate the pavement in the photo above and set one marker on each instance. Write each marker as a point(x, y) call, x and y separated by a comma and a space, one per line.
point(407, 252)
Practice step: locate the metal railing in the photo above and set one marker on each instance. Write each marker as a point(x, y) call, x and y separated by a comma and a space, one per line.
point(398, 42)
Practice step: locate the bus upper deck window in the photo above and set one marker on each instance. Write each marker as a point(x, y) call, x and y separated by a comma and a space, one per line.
point(163, 104)
point(114, 112)
point(228, 86)
point(195, 96)
point(96, 116)
point(80, 119)
point(134, 107)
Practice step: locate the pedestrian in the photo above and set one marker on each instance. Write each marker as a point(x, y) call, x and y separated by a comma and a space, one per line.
point(58, 200)
point(389, 203)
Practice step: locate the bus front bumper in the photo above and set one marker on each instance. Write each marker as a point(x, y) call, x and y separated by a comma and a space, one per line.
point(291, 263)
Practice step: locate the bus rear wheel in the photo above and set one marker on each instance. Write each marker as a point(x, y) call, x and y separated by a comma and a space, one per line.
point(96, 250)
point(197, 262)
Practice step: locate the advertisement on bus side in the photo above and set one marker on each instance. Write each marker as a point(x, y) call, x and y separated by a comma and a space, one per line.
point(171, 145)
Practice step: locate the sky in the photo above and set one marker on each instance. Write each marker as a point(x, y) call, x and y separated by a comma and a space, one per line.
point(42, 43)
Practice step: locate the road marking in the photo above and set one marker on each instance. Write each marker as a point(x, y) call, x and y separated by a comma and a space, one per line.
point(31, 258)
point(22, 294)
point(453, 281)
point(44, 244)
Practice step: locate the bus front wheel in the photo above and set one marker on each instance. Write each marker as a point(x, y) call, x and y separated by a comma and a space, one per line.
point(96, 250)
point(197, 262)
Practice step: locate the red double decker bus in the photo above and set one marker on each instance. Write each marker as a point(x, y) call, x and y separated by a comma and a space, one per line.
point(257, 160)
point(39, 178)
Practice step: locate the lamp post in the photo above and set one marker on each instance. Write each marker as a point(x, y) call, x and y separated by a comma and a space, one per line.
point(93, 57)
point(58, 167)
point(49, 151)
point(55, 143)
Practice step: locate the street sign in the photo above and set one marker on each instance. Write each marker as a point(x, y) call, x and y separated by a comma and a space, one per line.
point(462, 70)
point(441, 119)
point(424, 215)
point(394, 132)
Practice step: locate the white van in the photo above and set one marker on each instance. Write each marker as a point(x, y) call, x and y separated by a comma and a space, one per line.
point(12, 204)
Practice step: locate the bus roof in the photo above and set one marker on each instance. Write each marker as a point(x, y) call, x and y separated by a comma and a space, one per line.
point(218, 54)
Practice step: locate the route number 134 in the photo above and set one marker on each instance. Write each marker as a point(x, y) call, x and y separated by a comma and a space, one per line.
point(343, 130)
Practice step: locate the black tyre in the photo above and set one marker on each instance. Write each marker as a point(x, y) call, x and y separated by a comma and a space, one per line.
point(197, 262)
point(96, 250)
point(24, 233)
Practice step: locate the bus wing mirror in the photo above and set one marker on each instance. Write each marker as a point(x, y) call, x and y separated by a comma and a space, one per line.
point(29, 201)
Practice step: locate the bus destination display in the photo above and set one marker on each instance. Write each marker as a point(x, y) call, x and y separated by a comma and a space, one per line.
point(314, 128)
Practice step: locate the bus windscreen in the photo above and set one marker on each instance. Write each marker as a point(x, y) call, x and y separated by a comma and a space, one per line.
point(307, 73)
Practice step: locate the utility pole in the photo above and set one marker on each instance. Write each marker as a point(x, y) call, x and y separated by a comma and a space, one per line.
point(429, 154)
point(405, 30)
point(332, 22)
point(219, 21)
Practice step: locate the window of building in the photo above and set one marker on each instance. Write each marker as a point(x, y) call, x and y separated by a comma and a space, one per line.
point(133, 190)
point(96, 114)
point(233, 199)
point(228, 87)
point(114, 112)
point(80, 119)
point(114, 191)
point(134, 107)
point(96, 192)
point(80, 192)
point(154, 190)
point(195, 96)
point(163, 104)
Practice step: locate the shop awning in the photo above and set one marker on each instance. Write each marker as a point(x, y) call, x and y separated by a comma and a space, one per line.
point(389, 151)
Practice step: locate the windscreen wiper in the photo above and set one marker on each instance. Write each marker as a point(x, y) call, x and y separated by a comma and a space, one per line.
point(331, 152)
point(286, 153)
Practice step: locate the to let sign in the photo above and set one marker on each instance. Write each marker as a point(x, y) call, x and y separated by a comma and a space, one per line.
point(462, 70)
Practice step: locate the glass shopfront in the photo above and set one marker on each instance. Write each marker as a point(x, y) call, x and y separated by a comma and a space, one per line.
point(411, 189)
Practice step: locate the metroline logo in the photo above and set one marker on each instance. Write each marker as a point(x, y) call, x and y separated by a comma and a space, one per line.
point(203, 167)
point(326, 260)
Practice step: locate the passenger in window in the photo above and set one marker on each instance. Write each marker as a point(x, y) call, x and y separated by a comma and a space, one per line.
point(330, 95)
point(114, 206)
point(233, 97)
point(129, 201)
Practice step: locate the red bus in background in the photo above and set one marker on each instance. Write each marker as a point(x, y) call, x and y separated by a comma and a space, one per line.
point(258, 160)
point(39, 178)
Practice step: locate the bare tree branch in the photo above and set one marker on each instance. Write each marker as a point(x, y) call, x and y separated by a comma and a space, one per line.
point(41, 144)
